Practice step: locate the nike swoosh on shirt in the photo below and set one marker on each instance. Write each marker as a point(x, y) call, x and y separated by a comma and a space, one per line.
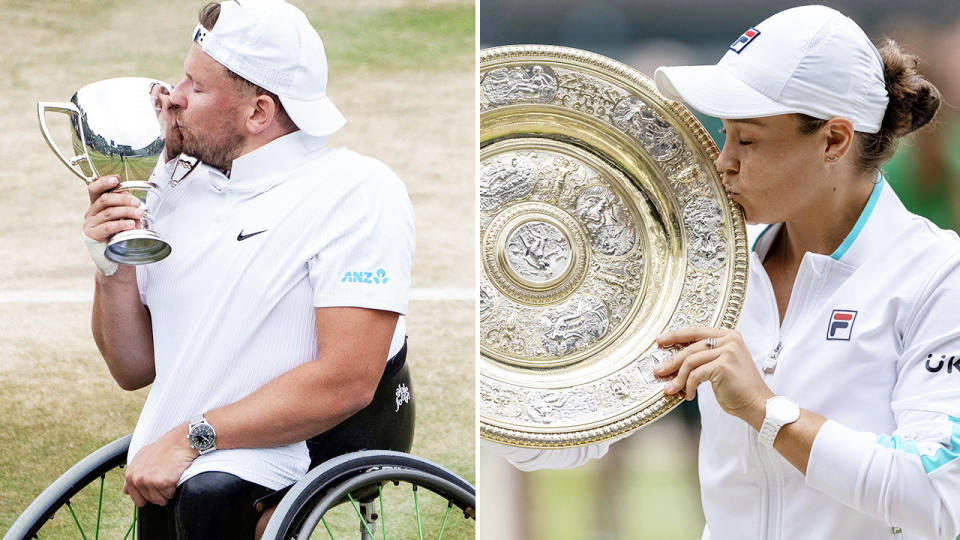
point(241, 237)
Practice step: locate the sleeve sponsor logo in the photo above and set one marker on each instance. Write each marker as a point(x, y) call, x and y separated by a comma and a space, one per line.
point(945, 363)
point(378, 277)
point(841, 324)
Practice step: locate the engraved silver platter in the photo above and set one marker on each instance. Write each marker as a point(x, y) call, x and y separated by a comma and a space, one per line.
point(602, 224)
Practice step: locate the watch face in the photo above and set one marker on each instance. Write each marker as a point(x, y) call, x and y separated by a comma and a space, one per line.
point(202, 436)
point(783, 410)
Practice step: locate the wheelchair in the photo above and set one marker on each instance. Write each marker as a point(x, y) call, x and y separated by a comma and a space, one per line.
point(362, 483)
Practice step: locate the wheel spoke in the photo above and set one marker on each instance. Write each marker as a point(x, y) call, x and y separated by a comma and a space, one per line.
point(445, 516)
point(359, 515)
point(416, 503)
point(99, 507)
point(338, 506)
point(383, 512)
point(327, 527)
point(75, 520)
point(132, 526)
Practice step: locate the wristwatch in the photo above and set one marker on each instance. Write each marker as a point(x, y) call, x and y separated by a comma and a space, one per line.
point(202, 435)
point(780, 412)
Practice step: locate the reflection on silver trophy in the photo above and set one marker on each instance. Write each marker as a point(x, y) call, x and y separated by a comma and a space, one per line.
point(115, 130)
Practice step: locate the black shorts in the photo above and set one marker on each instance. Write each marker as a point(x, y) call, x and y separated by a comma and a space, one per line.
point(208, 506)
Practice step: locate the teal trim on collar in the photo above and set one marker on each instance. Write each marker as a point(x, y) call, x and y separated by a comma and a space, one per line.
point(759, 236)
point(931, 462)
point(867, 210)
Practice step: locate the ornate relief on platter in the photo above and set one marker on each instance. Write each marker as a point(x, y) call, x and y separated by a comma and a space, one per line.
point(564, 260)
point(602, 225)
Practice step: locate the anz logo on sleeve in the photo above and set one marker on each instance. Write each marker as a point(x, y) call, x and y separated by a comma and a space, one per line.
point(379, 277)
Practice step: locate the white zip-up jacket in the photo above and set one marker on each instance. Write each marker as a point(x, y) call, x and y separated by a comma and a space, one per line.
point(871, 341)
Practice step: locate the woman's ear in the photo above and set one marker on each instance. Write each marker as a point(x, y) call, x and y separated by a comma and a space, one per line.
point(838, 136)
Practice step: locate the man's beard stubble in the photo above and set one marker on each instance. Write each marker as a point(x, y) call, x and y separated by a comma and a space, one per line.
point(216, 150)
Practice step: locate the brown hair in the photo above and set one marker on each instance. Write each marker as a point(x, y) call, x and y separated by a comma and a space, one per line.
point(208, 18)
point(913, 102)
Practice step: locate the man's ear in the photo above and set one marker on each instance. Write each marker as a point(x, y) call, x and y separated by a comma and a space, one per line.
point(262, 114)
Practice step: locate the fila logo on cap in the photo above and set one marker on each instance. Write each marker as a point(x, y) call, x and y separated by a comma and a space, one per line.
point(841, 324)
point(744, 40)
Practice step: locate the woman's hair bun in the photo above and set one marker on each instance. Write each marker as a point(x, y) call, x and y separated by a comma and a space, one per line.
point(913, 99)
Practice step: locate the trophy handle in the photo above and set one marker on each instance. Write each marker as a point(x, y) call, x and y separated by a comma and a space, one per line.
point(70, 109)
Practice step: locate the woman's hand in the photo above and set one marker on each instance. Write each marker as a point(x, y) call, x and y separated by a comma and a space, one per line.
point(728, 366)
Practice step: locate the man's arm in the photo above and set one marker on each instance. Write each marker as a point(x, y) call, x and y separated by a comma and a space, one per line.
point(306, 401)
point(121, 324)
point(318, 395)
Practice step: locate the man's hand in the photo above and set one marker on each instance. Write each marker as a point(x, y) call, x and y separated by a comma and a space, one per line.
point(110, 211)
point(153, 474)
point(172, 138)
point(728, 366)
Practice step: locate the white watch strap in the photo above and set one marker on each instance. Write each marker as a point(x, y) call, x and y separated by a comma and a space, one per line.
point(768, 432)
point(780, 411)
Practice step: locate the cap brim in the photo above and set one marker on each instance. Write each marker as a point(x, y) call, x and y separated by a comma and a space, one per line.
point(714, 91)
point(317, 117)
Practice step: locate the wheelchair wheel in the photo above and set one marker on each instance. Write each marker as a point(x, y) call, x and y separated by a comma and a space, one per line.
point(376, 494)
point(85, 502)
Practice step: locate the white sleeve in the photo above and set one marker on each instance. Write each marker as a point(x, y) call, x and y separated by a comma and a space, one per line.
point(531, 459)
point(143, 281)
point(911, 477)
point(367, 246)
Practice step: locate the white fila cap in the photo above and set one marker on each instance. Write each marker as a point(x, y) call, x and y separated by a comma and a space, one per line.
point(272, 44)
point(810, 59)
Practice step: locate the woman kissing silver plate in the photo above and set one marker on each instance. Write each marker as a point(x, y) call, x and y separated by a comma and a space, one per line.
point(603, 223)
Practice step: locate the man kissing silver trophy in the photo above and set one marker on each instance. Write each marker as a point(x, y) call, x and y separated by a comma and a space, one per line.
point(115, 130)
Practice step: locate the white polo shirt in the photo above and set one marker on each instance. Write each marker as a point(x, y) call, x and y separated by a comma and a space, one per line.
point(296, 226)
point(871, 341)
point(866, 342)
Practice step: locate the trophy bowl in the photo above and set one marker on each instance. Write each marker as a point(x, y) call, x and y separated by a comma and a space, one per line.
point(603, 223)
point(115, 130)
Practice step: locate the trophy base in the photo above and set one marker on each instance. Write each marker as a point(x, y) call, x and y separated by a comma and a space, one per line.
point(140, 246)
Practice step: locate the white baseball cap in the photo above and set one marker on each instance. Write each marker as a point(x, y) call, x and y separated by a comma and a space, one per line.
point(272, 44)
point(810, 59)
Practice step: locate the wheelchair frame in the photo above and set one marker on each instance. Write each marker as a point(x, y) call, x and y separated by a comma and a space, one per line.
point(301, 508)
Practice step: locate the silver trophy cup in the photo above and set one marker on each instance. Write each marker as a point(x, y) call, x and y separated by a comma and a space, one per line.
point(115, 130)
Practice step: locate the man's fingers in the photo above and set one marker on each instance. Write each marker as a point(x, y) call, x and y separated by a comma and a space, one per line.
point(168, 491)
point(112, 213)
point(147, 489)
point(155, 496)
point(134, 493)
point(115, 199)
point(101, 232)
point(688, 335)
point(102, 184)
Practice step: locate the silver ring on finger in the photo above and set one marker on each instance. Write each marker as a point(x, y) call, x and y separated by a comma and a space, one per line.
point(711, 343)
